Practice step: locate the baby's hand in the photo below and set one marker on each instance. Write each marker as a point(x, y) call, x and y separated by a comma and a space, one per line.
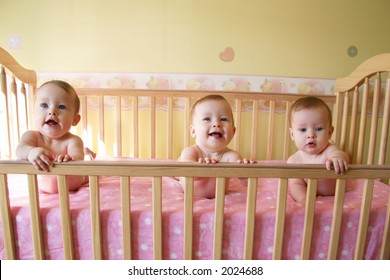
point(340, 165)
point(207, 160)
point(63, 158)
point(247, 161)
point(40, 158)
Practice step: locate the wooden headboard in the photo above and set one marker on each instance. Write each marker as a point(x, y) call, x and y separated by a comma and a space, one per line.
point(18, 86)
point(363, 111)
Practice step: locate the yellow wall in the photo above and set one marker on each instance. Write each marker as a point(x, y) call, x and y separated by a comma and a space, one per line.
point(301, 38)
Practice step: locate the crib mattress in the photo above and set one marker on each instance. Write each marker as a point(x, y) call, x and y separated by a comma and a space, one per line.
point(203, 222)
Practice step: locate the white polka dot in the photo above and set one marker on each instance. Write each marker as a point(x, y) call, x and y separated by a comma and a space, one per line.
point(19, 218)
point(119, 252)
point(326, 228)
point(202, 226)
point(177, 230)
point(49, 227)
point(344, 252)
point(199, 253)
point(173, 256)
point(297, 257)
point(148, 221)
point(270, 249)
point(144, 247)
point(349, 224)
point(321, 255)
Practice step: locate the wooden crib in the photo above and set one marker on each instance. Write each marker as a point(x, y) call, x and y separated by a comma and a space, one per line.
point(136, 160)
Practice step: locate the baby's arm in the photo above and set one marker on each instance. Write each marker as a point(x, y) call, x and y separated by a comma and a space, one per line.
point(296, 186)
point(337, 158)
point(28, 150)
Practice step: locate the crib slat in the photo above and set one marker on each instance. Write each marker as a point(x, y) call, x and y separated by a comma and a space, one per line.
point(24, 95)
point(135, 126)
point(157, 217)
point(364, 217)
point(35, 217)
point(309, 218)
point(188, 216)
point(170, 128)
point(14, 90)
point(336, 221)
point(218, 217)
point(385, 248)
point(352, 129)
point(280, 218)
point(344, 122)
point(363, 119)
point(126, 217)
point(7, 113)
point(84, 119)
point(118, 126)
point(101, 143)
point(255, 121)
point(95, 217)
point(250, 218)
point(65, 217)
point(152, 127)
point(6, 220)
point(238, 125)
point(374, 120)
point(337, 112)
point(271, 122)
point(286, 142)
point(187, 121)
point(385, 124)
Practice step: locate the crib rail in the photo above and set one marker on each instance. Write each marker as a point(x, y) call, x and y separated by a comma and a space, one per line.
point(160, 169)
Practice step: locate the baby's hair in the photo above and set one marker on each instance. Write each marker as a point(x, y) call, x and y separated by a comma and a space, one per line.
point(308, 103)
point(68, 88)
point(209, 97)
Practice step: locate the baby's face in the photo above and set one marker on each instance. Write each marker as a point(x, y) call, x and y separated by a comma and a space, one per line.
point(311, 130)
point(55, 111)
point(212, 125)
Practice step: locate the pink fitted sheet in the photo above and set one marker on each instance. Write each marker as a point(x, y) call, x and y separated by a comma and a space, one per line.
point(172, 224)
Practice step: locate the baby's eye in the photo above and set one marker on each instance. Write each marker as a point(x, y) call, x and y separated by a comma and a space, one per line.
point(207, 119)
point(62, 107)
point(302, 129)
point(44, 105)
point(319, 129)
point(224, 119)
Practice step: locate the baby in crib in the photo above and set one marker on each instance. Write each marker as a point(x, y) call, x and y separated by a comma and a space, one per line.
point(56, 111)
point(311, 129)
point(213, 129)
